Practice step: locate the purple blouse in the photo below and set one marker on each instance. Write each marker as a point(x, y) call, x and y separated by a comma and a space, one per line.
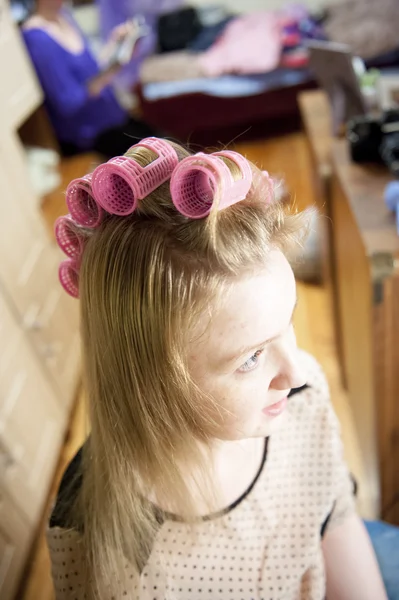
point(76, 117)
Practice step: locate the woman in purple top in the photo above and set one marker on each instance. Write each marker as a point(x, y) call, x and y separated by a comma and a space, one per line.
point(81, 104)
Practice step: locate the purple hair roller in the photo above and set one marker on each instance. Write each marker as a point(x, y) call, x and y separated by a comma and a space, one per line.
point(68, 237)
point(118, 184)
point(81, 203)
point(68, 274)
point(195, 179)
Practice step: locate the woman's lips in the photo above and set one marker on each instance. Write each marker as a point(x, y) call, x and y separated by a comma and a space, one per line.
point(275, 409)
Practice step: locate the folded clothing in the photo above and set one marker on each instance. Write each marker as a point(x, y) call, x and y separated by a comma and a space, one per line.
point(172, 66)
point(249, 44)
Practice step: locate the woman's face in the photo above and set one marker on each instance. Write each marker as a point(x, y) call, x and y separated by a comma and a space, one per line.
point(246, 357)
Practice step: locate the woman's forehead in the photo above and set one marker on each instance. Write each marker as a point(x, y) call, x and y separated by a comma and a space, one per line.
point(256, 308)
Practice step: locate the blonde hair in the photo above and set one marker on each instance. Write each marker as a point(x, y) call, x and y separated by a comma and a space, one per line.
point(144, 280)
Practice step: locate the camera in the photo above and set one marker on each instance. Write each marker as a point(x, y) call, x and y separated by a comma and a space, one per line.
point(375, 139)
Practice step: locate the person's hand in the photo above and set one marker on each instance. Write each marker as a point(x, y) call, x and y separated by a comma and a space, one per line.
point(121, 31)
point(133, 29)
point(117, 35)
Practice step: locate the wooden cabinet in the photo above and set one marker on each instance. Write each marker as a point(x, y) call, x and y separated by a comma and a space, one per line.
point(21, 93)
point(31, 420)
point(15, 538)
point(362, 274)
point(39, 329)
point(366, 255)
point(29, 274)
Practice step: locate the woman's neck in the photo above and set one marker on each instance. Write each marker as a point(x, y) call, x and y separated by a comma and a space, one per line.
point(48, 12)
point(235, 465)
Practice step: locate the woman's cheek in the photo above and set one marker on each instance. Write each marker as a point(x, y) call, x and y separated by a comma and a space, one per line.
point(250, 394)
point(242, 393)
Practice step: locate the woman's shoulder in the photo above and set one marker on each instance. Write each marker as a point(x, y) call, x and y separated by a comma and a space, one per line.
point(36, 37)
point(64, 534)
point(35, 26)
point(67, 562)
point(33, 22)
point(40, 35)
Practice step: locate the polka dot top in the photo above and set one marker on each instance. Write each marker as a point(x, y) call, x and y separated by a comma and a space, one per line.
point(266, 546)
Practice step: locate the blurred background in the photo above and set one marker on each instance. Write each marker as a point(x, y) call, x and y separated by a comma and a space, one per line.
point(310, 92)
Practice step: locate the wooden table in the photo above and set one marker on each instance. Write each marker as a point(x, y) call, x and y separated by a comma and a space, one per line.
point(315, 114)
point(317, 124)
point(316, 120)
point(365, 250)
point(361, 258)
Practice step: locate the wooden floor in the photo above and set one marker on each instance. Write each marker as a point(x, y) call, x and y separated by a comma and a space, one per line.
point(286, 156)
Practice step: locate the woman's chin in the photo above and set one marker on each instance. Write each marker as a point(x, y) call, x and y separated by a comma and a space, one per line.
point(269, 425)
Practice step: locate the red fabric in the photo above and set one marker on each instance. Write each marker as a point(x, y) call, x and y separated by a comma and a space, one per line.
point(209, 120)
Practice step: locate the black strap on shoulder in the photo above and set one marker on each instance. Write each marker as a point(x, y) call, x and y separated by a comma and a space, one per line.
point(67, 492)
point(298, 390)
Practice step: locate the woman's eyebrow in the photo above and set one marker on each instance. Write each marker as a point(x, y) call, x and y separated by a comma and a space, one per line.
point(247, 350)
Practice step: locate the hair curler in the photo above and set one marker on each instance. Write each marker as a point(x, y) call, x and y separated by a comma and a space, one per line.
point(68, 237)
point(68, 274)
point(82, 204)
point(121, 182)
point(198, 178)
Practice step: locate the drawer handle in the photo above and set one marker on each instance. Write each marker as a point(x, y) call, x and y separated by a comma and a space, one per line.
point(7, 459)
point(10, 456)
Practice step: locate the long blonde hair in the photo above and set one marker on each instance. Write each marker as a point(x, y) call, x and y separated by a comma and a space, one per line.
point(144, 280)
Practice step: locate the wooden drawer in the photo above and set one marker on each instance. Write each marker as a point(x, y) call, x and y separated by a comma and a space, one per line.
point(22, 234)
point(29, 283)
point(15, 540)
point(32, 424)
point(20, 92)
point(14, 163)
point(54, 331)
point(29, 275)
point(21, 252)
point(10, 339)
point(47, 315)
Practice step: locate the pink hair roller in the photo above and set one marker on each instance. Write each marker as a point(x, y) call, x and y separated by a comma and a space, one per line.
point(81, 203)
point(68, 237)
point(195, 179)
point(121, 182)
point(68, 274)
point(270, 183)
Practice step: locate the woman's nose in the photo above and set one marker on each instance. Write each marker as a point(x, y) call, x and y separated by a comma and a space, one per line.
point(290, 374)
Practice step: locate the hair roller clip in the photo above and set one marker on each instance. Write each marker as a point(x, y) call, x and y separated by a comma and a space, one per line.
point(81, 203)
point(68, 274)
point(196, 178)
point(121, 182)
point(68, 237)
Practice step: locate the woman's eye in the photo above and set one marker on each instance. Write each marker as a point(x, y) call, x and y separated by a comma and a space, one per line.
point(251, 363)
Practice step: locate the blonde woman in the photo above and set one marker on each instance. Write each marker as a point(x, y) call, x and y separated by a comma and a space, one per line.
point(213, 468)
